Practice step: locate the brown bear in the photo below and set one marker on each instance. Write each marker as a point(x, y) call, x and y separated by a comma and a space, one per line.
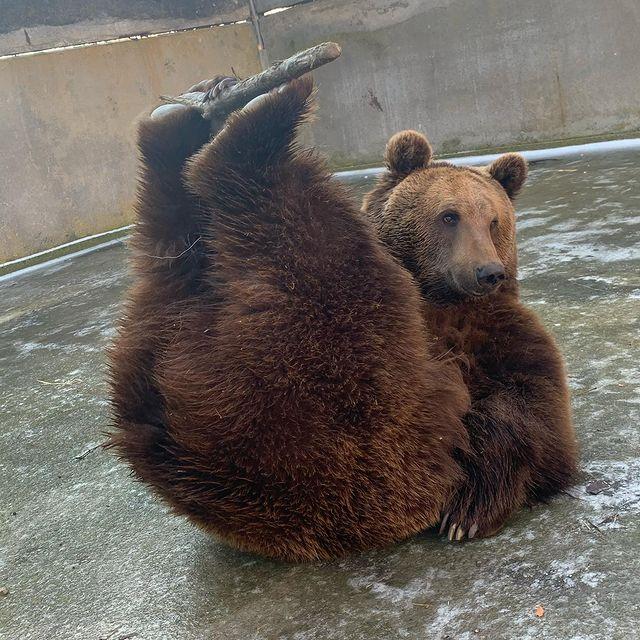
point(274, 378)
point(453, 229)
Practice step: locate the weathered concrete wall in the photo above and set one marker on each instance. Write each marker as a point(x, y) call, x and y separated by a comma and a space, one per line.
point(41, 24)
point(469, 74)
point(67, 157)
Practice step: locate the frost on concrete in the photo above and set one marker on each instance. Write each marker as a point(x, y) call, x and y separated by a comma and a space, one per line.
point(88, 553)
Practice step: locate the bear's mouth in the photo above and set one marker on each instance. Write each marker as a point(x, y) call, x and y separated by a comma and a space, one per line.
point(481, 292)
point(466, 290)
point(447, 289)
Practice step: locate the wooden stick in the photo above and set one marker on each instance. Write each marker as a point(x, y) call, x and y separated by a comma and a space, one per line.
point(278, 73)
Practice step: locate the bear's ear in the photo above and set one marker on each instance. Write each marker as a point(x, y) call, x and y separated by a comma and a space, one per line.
point(407, 151)
point(510, 170)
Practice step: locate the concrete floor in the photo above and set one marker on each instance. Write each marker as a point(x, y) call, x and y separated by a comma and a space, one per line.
point(87, 553)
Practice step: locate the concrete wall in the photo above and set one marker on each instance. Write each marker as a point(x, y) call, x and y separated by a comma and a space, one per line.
point(34, 25)
point(469, 74)
point(67, 158)
point(40, 24)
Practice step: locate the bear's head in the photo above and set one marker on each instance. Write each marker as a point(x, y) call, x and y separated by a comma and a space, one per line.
point(452, 227)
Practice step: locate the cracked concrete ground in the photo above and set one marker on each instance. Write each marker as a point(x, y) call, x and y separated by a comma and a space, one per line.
point(87, 553)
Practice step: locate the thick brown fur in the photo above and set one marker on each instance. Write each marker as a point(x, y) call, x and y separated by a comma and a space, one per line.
point(444, 224)
point(273, 378)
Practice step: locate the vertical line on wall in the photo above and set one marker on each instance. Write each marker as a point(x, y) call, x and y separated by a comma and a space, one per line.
point(255, 21)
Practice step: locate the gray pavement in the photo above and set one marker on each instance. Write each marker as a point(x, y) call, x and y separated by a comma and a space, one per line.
point(87, 553)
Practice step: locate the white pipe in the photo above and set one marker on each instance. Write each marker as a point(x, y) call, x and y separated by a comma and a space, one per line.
point(82, 240)
point(533, 155)
point(59, 259)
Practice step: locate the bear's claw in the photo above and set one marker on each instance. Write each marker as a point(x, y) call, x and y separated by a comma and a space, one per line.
point(443, 525)
point(219, 87)
point(457, 532)
point(205, 85)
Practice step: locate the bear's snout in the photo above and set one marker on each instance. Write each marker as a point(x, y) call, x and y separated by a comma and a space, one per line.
point(490, 275)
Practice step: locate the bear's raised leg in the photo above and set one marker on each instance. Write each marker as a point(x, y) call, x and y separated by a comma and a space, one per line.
point(168, 253)
point(252, 180)
point(167, 245)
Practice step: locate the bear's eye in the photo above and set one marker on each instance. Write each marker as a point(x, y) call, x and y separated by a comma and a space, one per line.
point(450, 218)
point(494, 223)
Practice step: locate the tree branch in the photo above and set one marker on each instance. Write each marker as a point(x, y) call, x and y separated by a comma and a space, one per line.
point(278, 73)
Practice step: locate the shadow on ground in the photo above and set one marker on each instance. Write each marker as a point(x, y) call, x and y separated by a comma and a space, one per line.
point(87, 553)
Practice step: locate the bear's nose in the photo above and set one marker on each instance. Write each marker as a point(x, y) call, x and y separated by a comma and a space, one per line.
point(490, 275)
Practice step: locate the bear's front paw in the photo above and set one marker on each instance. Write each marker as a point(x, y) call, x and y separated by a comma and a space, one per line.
point(471, 518)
